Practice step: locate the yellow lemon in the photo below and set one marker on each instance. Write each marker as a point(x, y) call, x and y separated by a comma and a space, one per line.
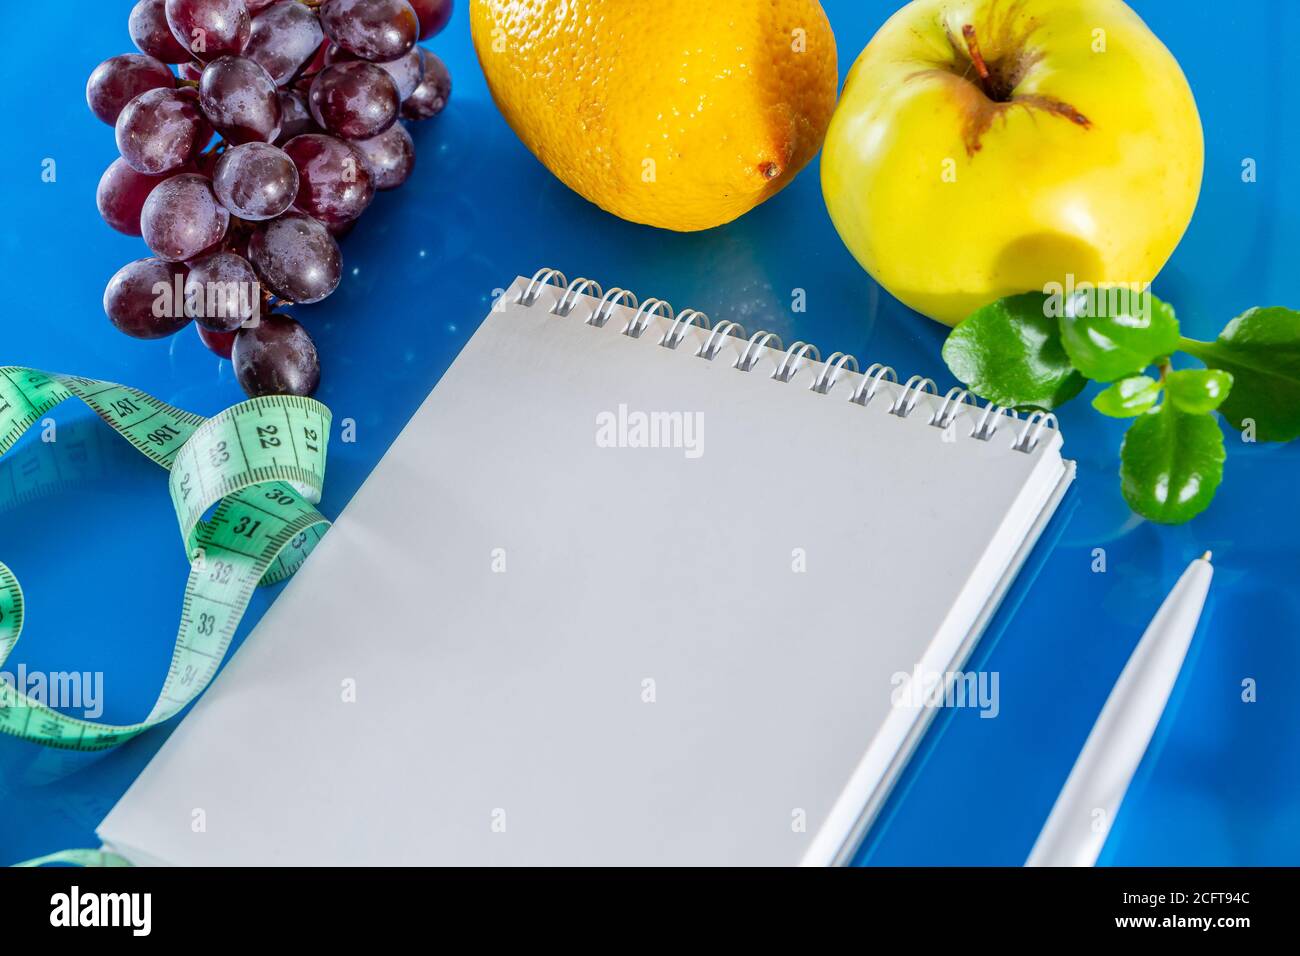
point(682, 114)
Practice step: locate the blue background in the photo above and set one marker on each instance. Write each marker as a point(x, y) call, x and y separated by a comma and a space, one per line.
point(103, 567)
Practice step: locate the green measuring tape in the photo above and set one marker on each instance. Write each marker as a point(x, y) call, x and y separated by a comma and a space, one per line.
point(87, 858)
point(260, 463)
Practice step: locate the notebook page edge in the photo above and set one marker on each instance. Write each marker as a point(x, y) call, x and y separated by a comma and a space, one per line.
point(890, 751)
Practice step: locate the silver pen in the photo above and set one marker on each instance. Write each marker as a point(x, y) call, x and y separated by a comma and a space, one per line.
point(1082, 815)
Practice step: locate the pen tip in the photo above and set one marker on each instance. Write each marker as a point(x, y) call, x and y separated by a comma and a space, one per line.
point(1206, 555)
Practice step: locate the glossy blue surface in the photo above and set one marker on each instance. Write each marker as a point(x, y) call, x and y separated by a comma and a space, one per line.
point(103, 568)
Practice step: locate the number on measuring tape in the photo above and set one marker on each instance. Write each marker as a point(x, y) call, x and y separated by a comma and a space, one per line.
point(258, 467)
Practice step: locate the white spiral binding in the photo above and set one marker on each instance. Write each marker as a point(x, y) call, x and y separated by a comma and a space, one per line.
point(709, 350)
point(911, 394)
point(871, 380)
point(831, 371)
point(673, 338)
point(540, 278)
point(649, 308)
point(570, 298)
point(793, 358)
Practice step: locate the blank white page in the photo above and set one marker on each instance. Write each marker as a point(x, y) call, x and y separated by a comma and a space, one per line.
point(565, 653)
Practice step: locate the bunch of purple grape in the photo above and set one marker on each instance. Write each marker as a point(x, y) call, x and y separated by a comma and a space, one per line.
point(305, 97)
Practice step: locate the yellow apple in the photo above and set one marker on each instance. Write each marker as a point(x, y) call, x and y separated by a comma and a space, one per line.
point(983, 148)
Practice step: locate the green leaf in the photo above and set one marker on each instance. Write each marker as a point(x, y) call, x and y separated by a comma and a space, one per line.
point(1197, 391)
point(1010, 353)
point(1261, 348)
point(1133, 331)
point(1171, 463)
point(1128, 397)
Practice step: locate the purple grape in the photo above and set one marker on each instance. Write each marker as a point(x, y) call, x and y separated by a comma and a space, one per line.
point(190, 94)
point(296, 258)
point(237, 237)
point(276, 357)
point(342, 229)
point(314, 66)
point(334, 184)
point(295, 117)
point(161, 130)
point(257, 6)
point(120, 79)
point(407, 70)
point(220, 343)
point(191, 70)
point(285, 36)
point(222, 292)
point(142, 301)
point(121, 195)
point(375, 30)
point(255, 181)
point(433, 15)
point(433, 92)
point(150, 32)
point(209, 28)
point(354, 100)
point(239, 98)
point(390, 155)
point(182, 218)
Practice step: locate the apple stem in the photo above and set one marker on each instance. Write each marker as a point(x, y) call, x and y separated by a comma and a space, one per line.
point(976, 57)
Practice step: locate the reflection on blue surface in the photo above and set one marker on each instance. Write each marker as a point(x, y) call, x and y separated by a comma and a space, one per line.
point(103, 568)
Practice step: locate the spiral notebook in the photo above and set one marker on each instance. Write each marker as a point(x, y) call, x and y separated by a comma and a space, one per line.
point(630, 588)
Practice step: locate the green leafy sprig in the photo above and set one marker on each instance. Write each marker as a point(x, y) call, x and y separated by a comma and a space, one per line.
point(1038, 351)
